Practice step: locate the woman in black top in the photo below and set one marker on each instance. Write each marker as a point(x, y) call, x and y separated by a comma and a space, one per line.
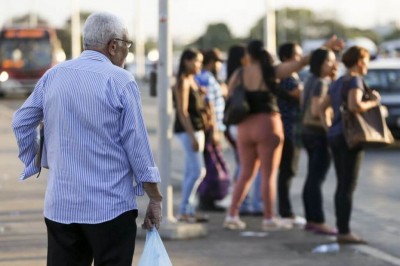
point(189, 129)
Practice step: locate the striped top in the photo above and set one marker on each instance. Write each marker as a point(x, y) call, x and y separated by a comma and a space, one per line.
point(96, 144)
point(214, 95)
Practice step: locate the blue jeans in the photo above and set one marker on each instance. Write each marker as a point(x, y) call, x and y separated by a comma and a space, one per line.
point(194, 170)
point(253, 201)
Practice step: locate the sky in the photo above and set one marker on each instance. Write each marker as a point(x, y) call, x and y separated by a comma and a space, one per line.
point(189, 18)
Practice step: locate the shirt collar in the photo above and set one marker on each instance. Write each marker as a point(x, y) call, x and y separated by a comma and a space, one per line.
point(94, 55)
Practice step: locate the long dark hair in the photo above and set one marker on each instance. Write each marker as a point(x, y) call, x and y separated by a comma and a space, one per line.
point(258, 53)
point(235, 56)
point(187, 54)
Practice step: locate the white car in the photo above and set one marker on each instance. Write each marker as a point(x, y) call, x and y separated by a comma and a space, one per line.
point(384, 76)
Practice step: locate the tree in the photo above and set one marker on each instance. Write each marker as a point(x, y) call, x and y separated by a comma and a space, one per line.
point(216, 36)
point(297, 25)
point(25, 19)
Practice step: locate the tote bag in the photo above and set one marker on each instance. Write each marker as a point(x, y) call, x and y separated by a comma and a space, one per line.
point(366, 129)
point(215, 184)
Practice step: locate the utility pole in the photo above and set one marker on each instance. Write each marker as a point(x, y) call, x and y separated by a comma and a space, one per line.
point(140, 57)
point(164, 98)
point(270, 27)
point(170, 229)
point(75, 28)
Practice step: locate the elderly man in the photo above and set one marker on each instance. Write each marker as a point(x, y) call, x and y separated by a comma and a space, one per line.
point(96, 148)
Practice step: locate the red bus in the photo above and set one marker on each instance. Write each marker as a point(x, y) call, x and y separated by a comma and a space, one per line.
point(25, 55)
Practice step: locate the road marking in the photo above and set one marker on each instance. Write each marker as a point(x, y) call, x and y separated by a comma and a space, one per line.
point(379, 254)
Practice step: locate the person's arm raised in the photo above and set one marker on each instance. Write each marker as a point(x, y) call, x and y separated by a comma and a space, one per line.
point(286, 69)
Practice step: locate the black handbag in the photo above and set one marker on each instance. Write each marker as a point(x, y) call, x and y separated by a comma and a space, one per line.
point(366, 129)
point(237, 107)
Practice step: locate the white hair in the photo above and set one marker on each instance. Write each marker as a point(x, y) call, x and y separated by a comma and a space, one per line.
point(100, 28)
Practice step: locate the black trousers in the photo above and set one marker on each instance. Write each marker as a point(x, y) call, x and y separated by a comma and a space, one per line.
point(287, 170)
point(347, 165)
point(319, 160)
point(111, 243)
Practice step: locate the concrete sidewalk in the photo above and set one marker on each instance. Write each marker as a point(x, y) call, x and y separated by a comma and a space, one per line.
point(23, 235)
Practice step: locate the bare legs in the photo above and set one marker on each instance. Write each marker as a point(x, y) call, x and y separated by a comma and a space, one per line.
point(260, 141)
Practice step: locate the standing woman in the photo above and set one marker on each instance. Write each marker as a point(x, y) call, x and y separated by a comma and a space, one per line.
point(350, 89)
point(189, 129)
point(322, 67)
point(252, 204)
point(260, 135)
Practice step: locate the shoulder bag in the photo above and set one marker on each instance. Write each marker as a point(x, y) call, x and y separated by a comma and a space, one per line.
point(365, 129)
point(237, 107)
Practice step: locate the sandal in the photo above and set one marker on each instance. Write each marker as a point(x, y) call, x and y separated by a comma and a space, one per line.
point(191, 218)
point(350, 239)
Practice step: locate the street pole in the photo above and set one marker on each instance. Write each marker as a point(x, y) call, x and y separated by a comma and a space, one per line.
point(270, 27)
point(75, 29)
point(164, 98)
point(140, 58)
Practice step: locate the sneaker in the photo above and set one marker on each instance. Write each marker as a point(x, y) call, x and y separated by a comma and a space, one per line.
point(275, 224)
point(296, 221)
point(233, 223)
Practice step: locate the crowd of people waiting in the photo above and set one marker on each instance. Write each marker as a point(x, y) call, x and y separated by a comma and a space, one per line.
point(284, 116)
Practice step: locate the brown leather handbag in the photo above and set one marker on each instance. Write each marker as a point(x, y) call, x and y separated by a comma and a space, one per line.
point(367, 128)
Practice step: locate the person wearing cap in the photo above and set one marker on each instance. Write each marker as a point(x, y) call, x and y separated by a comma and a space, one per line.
point(207, 80)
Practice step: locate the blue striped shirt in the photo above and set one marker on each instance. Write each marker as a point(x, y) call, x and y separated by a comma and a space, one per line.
point(96, 144)
point(214, 95)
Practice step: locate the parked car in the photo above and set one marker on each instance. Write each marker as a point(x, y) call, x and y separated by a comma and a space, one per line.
point(384, 76)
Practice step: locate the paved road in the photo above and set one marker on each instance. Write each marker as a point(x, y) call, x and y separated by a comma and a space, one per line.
point(376, 214)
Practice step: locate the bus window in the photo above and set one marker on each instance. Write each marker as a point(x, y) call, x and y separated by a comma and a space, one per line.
point(25, 55)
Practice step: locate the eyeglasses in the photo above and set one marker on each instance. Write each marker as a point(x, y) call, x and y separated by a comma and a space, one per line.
point(128, 43)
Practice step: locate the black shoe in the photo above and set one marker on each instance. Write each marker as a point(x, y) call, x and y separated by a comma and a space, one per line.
point(211, 207)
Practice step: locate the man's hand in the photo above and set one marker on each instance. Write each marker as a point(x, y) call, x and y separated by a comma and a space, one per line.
point(153, 215)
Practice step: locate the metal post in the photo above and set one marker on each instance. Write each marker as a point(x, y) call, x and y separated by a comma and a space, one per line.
point(75, 29)
point(164, 98)
point(140, 58)
point(270, 27)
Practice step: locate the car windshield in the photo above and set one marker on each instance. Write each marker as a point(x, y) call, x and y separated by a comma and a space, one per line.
point(383, 79)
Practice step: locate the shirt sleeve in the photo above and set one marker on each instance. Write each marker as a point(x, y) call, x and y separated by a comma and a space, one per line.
point(135, 140)
point(25, 122)
point(289, 84)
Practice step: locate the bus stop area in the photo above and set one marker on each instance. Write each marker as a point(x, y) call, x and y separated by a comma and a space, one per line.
point(23, 234)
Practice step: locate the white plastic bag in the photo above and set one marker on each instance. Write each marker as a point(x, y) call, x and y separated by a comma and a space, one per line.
point(154, 253)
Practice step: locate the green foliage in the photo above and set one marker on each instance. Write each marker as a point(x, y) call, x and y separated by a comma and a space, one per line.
point(394, 35)
point(297, 25)
point(216, 36)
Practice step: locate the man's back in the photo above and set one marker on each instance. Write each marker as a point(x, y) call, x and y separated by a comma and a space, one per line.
point(95, 140)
